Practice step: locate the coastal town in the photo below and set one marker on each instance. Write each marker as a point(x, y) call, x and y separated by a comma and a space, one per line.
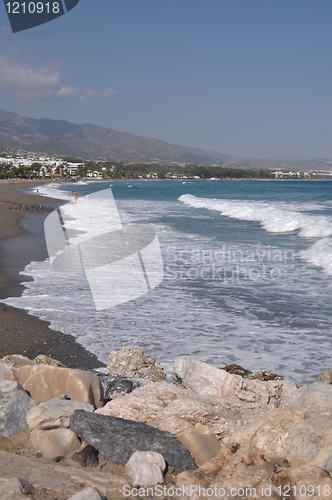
point(29, 165)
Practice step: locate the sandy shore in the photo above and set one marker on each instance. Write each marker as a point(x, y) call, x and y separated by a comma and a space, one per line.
point(22, 241)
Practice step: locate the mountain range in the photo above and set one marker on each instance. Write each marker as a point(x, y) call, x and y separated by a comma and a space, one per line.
point(62, 138)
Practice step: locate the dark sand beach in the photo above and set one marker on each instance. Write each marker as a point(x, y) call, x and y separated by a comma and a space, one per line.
point(22, 241)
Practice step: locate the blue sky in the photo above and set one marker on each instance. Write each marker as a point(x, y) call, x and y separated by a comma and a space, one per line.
point(247, 77)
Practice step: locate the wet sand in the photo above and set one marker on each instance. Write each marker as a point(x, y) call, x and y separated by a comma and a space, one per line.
point(22, 241)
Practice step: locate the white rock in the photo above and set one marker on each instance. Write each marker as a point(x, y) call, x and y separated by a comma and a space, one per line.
point(54, 413)
point(88, 494)
point(174, 409)
point(132, 362)
point(145, 468)
point(209, 380)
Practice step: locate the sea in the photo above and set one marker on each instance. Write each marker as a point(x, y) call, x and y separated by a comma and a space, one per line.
point(247, 275)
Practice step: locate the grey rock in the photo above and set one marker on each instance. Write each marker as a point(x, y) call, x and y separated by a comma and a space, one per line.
point(14, 405)
point(325, 376)
point(88, 457)
point(117, 439)
point(54, 413)
point(132, 362)
point(115, 385)
point(88, 494)
point(145, 468)
point(15, 489)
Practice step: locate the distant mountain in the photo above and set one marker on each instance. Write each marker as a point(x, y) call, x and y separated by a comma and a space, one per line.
point(89, 142)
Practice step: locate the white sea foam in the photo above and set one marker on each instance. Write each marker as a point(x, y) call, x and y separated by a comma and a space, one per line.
point(320, 254)
point(274, 217)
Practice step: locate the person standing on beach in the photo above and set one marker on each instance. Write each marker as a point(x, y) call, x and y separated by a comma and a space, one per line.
point(76, 197)
point(37, 192)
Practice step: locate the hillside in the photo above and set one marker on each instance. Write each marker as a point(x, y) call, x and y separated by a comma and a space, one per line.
point(89, 141)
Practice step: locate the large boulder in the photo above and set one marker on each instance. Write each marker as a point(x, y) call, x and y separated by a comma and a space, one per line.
point(300, 431)
point(116, 439)
point(54, 413)
point(145, 468)
point(46, 382)
point(16, 361)
point(174, 409)
point(14, 405)
point(16, 489)
point(55, 442)
point(209, 380)
point(132, 362)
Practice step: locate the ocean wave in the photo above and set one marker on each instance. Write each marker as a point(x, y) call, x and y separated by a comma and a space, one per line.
point(273, 217)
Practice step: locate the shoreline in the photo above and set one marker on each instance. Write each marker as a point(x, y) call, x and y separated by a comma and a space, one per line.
point(22, 241)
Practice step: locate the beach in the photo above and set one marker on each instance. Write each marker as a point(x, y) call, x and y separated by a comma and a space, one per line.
point(22, 241)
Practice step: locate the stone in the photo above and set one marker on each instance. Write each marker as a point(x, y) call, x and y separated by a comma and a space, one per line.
point(145, 468)
point(55, 442)
point(88, 457)
point(115, 386)
point(15, 489)
point(42, 359)
point(16, 412)
point(14, 404)
point(116, 439)
point(325, 376)
point(88, 493)
point(10, 374)
point(235, 467)
point(46, 382)
point(300, 431)
point(174, 409)
point(16, 361)
point(62, 482)
point(132, 362)
point(54, 413)
point(201, 442)
point(209, 380)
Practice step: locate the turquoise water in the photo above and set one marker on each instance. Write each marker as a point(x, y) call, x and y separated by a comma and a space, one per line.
point(248, 276)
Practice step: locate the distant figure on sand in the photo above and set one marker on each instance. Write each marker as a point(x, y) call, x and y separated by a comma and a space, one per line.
point(87, 195)
point(37, 192)
point(76, 197)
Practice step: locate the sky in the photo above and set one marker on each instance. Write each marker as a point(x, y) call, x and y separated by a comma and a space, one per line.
point(249, 78)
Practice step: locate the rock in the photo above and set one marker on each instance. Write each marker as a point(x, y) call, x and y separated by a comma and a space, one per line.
point(47, 382)
point(201, 442)
point(132, 362)
point(10, 374)
point(14, 404)
point(145, 468)
point(174, 409)
point(55, 442)
point(115, 386)
point(88, 494)
point(325, 376)
point(16, 361)
point(116, 439)
point(88, 457)
point(54, 413)
point(235, 467)
point(16, 412)
point(300, 431)
point(208, 380)
point(41, 359)
point(62, 482)
point(15, 489)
